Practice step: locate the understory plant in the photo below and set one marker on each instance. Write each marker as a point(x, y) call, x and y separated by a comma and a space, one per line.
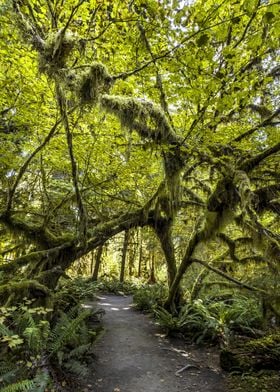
point(40, 347)
point(114, 286)
point(150, 297)
point(202, 321)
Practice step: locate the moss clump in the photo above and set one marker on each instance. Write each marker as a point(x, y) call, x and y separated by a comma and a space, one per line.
point(268, 381)
point(92, 83)
point(262, 353)
point(143, 116)
point(56, 50)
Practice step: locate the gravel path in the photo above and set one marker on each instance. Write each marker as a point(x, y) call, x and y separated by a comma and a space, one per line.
point(133, 356)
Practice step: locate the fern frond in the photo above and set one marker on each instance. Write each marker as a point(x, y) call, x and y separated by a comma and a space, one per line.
point(66, 332)
point(5, 331)
point(33, 338)
point(8, 372)
point(76, 367)
point(80, 351)
point(20, 386)
point(41, 381)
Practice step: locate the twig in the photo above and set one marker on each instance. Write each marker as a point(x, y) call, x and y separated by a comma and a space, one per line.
point(187, 367)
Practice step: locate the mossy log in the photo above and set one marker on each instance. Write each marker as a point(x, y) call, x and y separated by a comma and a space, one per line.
point(257, 354)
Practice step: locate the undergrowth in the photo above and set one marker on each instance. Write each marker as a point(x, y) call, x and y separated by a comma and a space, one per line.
point(203, 320)
point(217, 322)
point(114, 286)
point(47, 348)
point(149, 297)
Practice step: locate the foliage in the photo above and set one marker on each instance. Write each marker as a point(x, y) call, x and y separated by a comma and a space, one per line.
point(213, 321)
point(255, 354)
point(149, 297)
point(70, 292)
point(265, 381)
point(114, 286)
point(195, 85)
point(39, 346)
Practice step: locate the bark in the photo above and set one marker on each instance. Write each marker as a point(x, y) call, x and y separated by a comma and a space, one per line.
point(152, 279)
point(163, 229)
point(124, 252)
point(98, 259)
point(140, 258)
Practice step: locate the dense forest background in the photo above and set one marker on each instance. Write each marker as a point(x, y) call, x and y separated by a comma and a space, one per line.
point(140, 142)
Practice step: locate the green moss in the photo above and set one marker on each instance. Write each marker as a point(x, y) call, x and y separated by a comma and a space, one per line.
point(265, 345)
point(92, 83)
point(262, 353)
point(57, 48)
point(143, 116)
point(268, 381)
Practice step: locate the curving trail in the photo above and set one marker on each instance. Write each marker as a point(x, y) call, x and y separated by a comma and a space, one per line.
point(133, 356)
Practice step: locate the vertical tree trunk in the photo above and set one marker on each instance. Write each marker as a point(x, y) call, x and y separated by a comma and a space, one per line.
point(152, 269)
point(204, 229)
point(163, 231)
point(98, 259)
point(198, 284)
point(124, 252)
point(91, 263)
point(131, 255)
point(140, 255)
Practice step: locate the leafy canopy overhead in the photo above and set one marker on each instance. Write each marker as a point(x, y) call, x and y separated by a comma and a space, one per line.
point(119, 114)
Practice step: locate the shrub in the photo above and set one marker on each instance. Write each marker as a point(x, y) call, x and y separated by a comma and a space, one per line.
point(40, 345)
point(149, 297)
point(114, 286)
point(215, 321)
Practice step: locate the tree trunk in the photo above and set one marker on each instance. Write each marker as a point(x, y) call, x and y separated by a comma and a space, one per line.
point(140, 255)
point(163, 230)
point(124, 252)
point(152, 279)
point(131, 256)
point(98, 259)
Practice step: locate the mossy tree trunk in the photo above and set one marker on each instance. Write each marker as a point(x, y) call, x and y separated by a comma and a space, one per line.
point(124, 253)
point(98, 260)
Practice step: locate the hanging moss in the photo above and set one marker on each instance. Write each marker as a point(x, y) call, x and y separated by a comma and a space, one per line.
point(92, 83)
point(56, 51)
point(143, 116)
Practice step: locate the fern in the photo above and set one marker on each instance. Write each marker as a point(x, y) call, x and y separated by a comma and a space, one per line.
point(41, 381)
point(65, 331)
point(80, 351)
point(8, 372)
point(77, 368)
point(20, 386)
point(33, 338)
point(5, 331)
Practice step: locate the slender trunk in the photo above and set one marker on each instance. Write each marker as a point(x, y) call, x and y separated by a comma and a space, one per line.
point(152, 274)
point(140, 255)
point(98, 259)
point(91, 263)
point(124, 252)
point(198, 284)
point(131, 257)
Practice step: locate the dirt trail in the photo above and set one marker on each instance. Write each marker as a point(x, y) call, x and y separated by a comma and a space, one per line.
point(134, 356)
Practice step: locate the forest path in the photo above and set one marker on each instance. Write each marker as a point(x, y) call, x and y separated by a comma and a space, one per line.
point(134, 356)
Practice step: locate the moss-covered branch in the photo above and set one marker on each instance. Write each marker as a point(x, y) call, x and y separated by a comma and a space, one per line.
point(143, 116)
point(226, 276)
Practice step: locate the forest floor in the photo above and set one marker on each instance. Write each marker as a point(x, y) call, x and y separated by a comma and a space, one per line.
point(133, 355)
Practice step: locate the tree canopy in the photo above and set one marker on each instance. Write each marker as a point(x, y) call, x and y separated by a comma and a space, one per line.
point(125, 114)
